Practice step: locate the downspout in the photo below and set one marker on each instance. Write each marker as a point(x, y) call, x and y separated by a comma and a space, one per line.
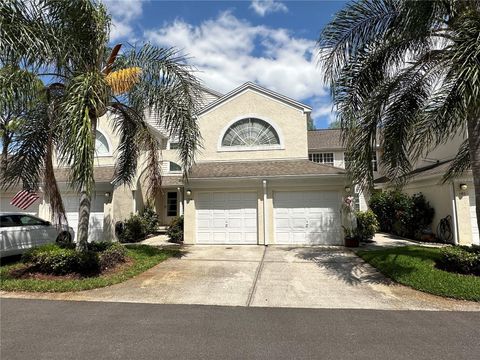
point(265, 220)
point(454, 217)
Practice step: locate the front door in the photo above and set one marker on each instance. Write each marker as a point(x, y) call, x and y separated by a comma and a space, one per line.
point(171, 206)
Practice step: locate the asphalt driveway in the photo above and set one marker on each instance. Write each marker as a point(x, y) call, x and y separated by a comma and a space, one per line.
point(257, 276)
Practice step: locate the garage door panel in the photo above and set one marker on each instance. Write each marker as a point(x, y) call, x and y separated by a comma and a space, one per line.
point(231, 220)
point(313, 217)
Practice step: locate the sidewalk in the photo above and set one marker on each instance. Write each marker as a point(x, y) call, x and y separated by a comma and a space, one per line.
point(383, 240)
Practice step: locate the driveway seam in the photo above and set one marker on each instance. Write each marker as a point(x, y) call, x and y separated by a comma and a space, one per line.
point(257, 276)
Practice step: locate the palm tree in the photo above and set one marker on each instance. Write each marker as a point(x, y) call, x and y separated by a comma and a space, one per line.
point(66, 43)
point(410, 70)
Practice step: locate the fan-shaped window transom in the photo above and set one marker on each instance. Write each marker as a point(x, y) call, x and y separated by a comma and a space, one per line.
point(251, 132)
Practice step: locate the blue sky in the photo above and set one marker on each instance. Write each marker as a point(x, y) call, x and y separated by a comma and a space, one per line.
point(270, 42)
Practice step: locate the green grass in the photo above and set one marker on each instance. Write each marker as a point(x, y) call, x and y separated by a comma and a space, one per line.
point(143, 258)
point(414, 266)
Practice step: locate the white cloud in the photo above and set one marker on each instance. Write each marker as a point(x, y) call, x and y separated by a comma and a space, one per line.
point(263, 7)
point(229, 51)
point(124, 13)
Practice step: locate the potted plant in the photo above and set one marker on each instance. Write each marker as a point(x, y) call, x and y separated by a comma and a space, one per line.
point(350, 234)
point(351, 237)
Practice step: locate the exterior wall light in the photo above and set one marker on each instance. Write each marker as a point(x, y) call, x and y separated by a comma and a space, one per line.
point(107, 195)
point(463, 187)
point(348, 189)
point(189, 192)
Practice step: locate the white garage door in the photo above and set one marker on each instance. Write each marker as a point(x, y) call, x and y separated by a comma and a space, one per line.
point(6, 207)
point(226, 218)
point(95, 228)
point(307, 218)
point(473, 218)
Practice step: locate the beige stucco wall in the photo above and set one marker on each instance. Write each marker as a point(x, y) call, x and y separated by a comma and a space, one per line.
point(462, 203)
point(290, 122)
point(440, 197)
point(437, 194)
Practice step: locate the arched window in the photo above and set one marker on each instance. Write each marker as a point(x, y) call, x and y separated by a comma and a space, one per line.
point(174, 167)
point(101, 144)
point(251, 132)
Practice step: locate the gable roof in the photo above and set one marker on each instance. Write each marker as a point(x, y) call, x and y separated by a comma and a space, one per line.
point(259, 89)
point(259, 169)
point(325, 139)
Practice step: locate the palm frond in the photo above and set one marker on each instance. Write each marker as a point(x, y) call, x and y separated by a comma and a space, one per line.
point(460, 164)
point(127, 123)
point(169, 89)
point(86, 98)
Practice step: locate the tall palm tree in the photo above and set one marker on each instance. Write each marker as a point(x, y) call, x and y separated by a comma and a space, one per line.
point(67, 44)
point(410, 70)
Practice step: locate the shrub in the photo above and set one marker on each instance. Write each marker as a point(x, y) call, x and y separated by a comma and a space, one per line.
point(175, 230)
point(151, 219)
point(52, 259)
point(460, 259)
point(401, 214)
point(137, 227)
point(367, 224)
point(134, 229)
point(114, 254)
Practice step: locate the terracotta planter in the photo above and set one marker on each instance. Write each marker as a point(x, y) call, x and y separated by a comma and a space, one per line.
point(351, 242)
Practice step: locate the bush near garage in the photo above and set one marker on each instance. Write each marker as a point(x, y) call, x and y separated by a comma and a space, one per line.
point(401, 214)
point(460, 259)
point(367, 224)
point(53, 259)
point(175, 230)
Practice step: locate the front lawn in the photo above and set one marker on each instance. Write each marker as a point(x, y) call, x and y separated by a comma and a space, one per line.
point(415, 266)
point(141, 258)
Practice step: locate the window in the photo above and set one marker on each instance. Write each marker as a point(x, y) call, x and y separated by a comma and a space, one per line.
point(101, 144)
point(175, 167)
point(250, 132)
point(322, 158)
point(172, 203)
point(374, 161)
point(174, 145)
point(21, 220)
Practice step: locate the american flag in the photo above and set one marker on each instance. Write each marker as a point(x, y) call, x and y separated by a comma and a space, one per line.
point(23, 199)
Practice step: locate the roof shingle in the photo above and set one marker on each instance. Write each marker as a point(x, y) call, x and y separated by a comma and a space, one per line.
point(327, 139)
point(261, 169)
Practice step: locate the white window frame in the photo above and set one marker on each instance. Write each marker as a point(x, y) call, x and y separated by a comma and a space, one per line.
point(319, 157)
point(280, 146)
point(109, 153)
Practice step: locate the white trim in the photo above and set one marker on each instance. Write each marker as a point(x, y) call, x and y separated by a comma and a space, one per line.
point(454, 213)
point(265, 218)
point(109, 144)
point(259, 89)
point(275, 127)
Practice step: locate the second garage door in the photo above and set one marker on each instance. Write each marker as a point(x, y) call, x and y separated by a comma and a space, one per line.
point(95, 226)
point(226, 218)
point(307, 218)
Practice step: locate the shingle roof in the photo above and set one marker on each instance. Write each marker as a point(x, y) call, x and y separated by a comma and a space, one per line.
point(100, 174)
point(172, 181)
point(261, 169)
point(327, 139)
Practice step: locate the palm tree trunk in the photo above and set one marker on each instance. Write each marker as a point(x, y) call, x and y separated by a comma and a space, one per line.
point(85, 203)
point(473, 124)
point(83, 220)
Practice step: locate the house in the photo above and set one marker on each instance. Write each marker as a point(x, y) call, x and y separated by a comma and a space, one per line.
point(453, 200)
point(252, 183)
point(260, 178)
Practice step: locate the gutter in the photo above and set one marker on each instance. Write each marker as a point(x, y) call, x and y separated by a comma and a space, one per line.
point(265, 220)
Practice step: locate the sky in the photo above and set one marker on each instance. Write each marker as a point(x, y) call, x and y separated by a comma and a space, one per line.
point(269, 42)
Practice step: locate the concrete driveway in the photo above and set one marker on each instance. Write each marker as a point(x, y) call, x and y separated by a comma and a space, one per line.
point(305, 277)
